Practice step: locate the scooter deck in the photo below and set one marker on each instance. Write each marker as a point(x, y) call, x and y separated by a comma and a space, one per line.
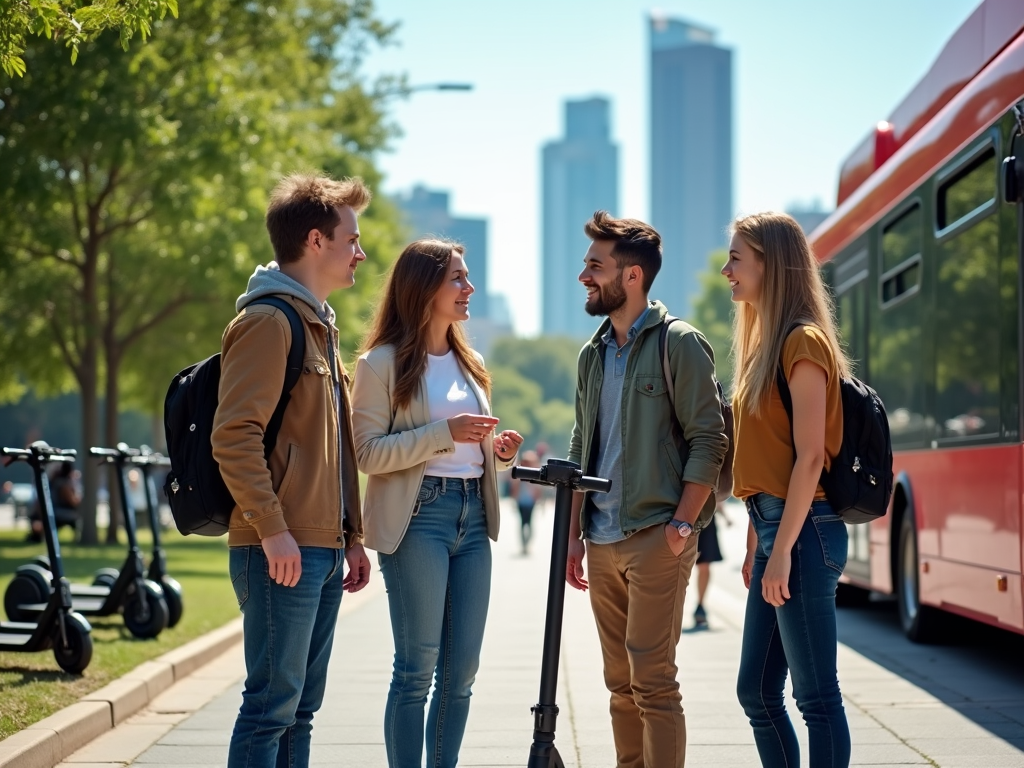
point(82, 605)
point(8, 638)
point(87, 590)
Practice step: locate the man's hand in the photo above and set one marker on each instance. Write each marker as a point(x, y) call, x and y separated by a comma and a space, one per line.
point(676, 542)
point(574, 565)
point(283, 558)
point(358, 575)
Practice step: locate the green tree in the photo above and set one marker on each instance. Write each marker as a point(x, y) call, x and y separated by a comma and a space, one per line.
point(712, 315)
point(132, 190)
point(74, 23)
point(550, 361)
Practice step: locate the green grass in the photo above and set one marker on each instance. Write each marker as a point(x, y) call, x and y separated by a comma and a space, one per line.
point(32, 686)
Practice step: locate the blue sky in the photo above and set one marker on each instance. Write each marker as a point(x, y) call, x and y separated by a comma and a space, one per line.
point(811, 78)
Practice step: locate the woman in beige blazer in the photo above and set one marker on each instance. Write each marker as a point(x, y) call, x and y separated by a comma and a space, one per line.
point(424, 435)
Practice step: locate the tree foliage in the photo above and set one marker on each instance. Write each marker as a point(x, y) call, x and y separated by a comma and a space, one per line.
point(133, 186)
point(712, 315)
point(74, 23)
point(535, 387)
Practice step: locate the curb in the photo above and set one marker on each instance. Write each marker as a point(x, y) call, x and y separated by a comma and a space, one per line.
point(51, 740)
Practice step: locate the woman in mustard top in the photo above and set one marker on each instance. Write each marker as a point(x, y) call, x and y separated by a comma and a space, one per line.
point(796, 544)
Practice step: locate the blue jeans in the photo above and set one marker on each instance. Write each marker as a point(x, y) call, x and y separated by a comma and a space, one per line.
point(800, 636)
point(287, 634)
point(439, 584)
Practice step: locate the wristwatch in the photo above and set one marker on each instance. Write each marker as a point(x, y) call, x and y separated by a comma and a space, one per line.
point(684, 528)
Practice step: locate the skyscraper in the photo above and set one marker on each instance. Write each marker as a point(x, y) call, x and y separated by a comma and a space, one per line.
point(580, 176)
point(427, 213)
point(691, 153)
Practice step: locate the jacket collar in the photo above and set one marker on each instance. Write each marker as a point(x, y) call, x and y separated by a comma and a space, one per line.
point(656, 316)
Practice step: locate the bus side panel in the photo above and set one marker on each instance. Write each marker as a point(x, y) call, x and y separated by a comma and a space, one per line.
point(973, 591)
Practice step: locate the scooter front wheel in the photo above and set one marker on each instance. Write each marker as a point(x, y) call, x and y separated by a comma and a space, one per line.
point(146, 615)
point(105, 577)
point(30, 586)
point(172, 596)
point(74, 656)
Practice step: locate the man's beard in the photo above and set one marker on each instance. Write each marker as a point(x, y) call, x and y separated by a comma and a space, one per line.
point(607, 299)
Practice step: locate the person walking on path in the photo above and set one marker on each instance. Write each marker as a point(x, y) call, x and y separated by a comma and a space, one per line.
point(796, 544)
point(297, 515)
point(639, 544)
point(527, 495)
point(708, 552)
point(424, 435)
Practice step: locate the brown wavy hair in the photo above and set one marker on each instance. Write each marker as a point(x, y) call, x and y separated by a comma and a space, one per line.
point(403, 317)
point(792, 293)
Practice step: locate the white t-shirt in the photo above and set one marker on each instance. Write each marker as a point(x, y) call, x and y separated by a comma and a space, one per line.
point(448, 395)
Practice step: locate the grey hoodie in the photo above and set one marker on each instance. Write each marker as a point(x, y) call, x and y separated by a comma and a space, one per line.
point(271, 281)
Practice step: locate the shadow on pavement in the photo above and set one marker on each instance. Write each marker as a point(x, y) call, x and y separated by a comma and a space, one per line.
point(976, 669)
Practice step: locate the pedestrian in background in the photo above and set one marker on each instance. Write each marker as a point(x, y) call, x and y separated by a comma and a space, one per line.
point(527, 496)
point(796, 544)
point(424, 435)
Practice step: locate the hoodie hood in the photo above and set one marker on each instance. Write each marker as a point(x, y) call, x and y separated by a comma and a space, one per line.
point(270, 280)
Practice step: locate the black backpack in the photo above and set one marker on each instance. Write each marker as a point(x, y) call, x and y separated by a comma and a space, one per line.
point(724, 488)
point(859, 483)
point(200, 501)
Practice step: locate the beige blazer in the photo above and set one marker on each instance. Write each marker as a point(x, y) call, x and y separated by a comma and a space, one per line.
point(393, 447)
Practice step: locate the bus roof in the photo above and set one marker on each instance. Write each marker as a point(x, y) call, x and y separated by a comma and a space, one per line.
point(978, 76)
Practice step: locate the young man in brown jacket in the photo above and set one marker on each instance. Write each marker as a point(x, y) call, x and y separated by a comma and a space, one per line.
point(298, 514)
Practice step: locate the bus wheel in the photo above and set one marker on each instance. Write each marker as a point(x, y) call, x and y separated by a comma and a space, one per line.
point(920, 622)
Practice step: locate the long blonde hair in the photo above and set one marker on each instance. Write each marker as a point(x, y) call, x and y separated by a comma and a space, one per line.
point(792, 293)
point(403, 317)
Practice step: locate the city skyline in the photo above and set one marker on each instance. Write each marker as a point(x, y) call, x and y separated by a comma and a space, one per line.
point(580, 175)
point(804, 96)
point(691, 200)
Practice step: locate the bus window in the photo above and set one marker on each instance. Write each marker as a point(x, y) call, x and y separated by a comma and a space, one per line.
point(897, 350)
point(969, 191)
point(967, 305)
point(901, 256)
point(851, 287)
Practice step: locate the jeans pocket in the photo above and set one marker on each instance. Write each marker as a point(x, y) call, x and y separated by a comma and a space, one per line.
point(835, 540)
point(238, 567)
point(765, 515)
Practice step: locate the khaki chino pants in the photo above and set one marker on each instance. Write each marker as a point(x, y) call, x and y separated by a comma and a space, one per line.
point(637, 587)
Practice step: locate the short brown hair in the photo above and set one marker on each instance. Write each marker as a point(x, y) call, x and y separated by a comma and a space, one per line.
point(635, 243)
point(304, 201)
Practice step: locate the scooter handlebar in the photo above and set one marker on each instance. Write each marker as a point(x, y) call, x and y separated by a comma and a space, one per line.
point(599, 484)
point(40, 449)
point(532, 474)
point(122, 451)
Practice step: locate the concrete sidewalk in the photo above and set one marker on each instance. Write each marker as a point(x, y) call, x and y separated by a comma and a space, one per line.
point(894, 722)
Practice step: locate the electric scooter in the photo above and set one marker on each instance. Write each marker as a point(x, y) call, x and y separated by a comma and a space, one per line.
point(147, 461)
point(566, 477)
point(57, 625)
point(126, 591)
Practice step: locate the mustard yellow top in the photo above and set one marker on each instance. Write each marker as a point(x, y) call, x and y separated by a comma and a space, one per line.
point(764, 455)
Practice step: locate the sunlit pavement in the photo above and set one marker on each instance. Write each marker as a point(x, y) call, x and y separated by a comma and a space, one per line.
point(907, 705)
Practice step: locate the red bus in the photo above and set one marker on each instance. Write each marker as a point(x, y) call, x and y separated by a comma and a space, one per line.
point(924, 254)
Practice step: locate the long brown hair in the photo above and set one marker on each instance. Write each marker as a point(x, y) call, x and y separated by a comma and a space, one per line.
point(403, 317)
point(792, 293)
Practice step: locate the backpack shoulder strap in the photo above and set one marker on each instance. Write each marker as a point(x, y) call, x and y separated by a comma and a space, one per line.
point(293, 369)
point(666, 368)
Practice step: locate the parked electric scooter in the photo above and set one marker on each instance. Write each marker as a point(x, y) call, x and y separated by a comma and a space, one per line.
point(57, 626)
point(147, 461)
point(126, 591)
point(567, 477)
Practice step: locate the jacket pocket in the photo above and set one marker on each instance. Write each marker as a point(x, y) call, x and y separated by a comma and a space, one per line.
point(652, 386)
point(290, 471)
point(675, 461)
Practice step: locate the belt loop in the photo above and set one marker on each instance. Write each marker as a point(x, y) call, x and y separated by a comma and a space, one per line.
point(444, 485)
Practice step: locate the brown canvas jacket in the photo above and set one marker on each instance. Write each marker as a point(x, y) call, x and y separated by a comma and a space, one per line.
point(300, 493)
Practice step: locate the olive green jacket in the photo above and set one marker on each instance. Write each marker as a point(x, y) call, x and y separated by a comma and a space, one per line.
point(655, 463)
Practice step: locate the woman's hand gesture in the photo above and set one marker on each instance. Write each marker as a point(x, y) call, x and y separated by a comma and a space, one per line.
point(471, 427)
point(506, 445)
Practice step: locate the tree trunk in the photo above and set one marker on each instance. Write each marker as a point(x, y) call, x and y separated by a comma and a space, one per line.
point(90, 433)
point(112, 393)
